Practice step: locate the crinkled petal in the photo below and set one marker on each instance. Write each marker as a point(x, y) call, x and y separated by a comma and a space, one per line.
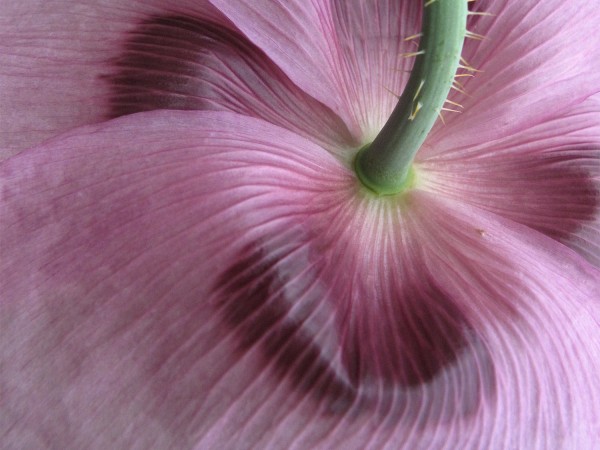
point(348, 54)
point(538, 59)
point(547, 177)
point(64, 64)
point(204, 279)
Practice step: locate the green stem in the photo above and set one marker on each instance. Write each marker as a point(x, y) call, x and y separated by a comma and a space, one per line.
point(385, 165)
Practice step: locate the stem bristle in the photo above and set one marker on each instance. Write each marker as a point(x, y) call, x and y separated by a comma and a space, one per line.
point(385, 165)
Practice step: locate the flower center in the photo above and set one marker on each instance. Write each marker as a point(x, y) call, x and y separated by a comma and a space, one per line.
point(385, 166)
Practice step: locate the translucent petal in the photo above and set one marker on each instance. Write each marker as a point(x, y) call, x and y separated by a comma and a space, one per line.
point(538, 59)
point(186, 279)
point(547, 177)
point(326, 47)
point(63, 65)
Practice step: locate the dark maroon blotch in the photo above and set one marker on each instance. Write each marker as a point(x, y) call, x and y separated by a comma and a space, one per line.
point(252, 303)
point(424, 334)
point(163, 61)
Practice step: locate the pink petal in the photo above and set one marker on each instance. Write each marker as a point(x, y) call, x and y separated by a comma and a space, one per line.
point(111, 238)
point(346, 54)
point(62, 66)
point(52, 56)
point(218, 281)
point(547, 177)
point(539, 59)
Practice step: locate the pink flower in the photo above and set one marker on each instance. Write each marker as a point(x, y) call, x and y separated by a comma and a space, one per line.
point(218, 278)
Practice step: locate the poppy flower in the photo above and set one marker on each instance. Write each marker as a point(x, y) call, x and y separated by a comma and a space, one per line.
point(189, 259)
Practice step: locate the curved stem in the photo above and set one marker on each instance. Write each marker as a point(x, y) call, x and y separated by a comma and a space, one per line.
point(385, 165)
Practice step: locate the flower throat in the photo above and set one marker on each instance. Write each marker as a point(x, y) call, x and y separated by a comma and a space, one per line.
point(385, 166)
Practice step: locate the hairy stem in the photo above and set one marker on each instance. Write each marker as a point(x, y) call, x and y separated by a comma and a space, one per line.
point(385, 165)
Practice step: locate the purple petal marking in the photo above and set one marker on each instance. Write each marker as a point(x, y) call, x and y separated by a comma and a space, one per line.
point(577, 202)
point(254, 304)
point(187, 63)
point(159, 67)
point(424, 333)
point(411, 360)
point(555, 193)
